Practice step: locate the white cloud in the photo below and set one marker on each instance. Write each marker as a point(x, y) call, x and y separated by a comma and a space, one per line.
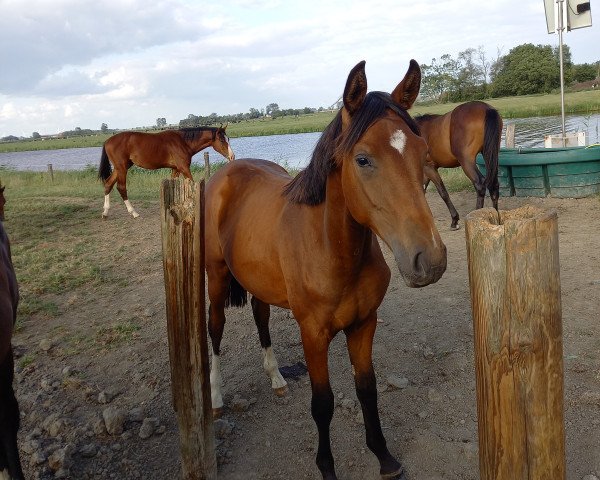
point(68, 63)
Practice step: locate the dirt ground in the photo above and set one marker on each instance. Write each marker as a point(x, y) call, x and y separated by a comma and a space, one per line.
point(424, 346)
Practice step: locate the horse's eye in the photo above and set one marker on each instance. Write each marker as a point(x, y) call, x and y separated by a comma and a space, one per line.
point(363, 161)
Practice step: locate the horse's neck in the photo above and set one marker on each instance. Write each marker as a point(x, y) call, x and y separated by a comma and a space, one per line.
point(202, 140)
point(344, 233)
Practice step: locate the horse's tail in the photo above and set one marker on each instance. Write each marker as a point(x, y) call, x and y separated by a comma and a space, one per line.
point(105, 169)
point(491, 144)
point(237, 296)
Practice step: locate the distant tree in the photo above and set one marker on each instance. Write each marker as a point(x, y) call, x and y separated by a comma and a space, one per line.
point(254, 113)
point(469, 79)
point(567, 63)
point(161, 122)
point(271, 108)
point(526, 69)
point(78, 129)
point(584, 72)
point(104, 128)
point(35, 135)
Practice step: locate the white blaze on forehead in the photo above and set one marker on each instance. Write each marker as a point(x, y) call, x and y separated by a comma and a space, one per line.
point(398, 141)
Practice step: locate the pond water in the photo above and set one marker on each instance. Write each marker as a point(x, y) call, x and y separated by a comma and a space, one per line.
point(293, 151)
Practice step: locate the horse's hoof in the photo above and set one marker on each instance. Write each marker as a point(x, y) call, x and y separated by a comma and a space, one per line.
point(281, 391)
point(454, 227)
point(217, 412)
point(104, 217)
point(397, 475)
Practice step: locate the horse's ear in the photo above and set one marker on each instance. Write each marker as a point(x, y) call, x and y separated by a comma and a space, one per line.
point(356, 88)
point(407, 90)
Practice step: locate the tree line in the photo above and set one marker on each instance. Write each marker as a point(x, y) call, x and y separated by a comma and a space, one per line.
point(525, 69)
point(272, 110)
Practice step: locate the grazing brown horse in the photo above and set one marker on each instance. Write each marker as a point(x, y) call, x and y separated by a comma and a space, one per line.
point(310, 244)
point(455, 139)
point(168, 149)
point(9, 408)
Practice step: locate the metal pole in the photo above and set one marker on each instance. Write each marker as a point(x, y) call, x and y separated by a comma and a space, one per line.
point(560, 54)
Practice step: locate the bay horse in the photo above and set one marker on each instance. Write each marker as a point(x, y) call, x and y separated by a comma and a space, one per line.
point(455, 139)
point(9, 408)
point(310, 244)
point(167, 149)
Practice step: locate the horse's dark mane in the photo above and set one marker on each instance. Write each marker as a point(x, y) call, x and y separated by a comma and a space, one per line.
point(190, 133)
point(308, 186)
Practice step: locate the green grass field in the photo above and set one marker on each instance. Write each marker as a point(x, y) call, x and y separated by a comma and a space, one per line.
point(584, 102)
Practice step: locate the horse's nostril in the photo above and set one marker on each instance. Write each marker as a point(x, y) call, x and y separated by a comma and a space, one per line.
point(417, 267)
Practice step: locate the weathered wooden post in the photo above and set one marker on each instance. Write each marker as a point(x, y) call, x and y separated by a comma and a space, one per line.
point(509, 139)
point(515, 296)
point(206, 167)
point(51, 172)
point(182, 220)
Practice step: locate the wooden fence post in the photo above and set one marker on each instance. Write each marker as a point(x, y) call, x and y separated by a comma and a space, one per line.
point(182, 220)
point(206, 167)
point(51, 172)
point(509, 139)
point(514, 277)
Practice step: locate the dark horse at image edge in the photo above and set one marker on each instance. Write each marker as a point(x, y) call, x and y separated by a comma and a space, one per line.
point(9, 408)
point(310, 244)
point(172, 149)
point(455, 139)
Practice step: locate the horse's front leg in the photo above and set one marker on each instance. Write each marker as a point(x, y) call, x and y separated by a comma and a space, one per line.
point(316, 345)
point(360, 344)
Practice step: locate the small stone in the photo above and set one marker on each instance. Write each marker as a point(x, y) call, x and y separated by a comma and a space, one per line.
point(106, 396)
point(30, 446)
point(397, 382)
point(239, 404)
point(61, 458)
point(590, 477)
point(88, 451)
point(359, 418)
point(348, 403)
point(148, 426)
point(45, 345)
point(98, 427)
point(114, 420)
point(422, 414)
point(38, 457)
point(67, 371)
point(136, 414)
point(148, 313)
point(428, 352)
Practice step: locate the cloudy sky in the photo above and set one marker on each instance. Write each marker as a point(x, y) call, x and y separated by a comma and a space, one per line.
point(79, 63)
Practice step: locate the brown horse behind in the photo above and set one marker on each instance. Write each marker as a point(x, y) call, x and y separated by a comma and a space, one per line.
point(455, 139)
point(168, 149)
point(310, 244)
point(9, 408)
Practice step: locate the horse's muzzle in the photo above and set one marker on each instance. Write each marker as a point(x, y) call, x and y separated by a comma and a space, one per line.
point(422, 268)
